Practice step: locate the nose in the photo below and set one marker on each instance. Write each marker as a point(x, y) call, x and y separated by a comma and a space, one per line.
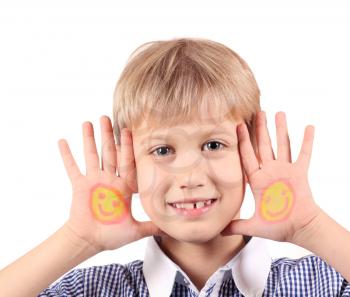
point(193, 176)
point(191, 180)
point(190, 170)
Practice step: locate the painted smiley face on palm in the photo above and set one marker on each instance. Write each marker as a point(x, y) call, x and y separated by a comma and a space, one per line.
point(277, 202)
point(107, 204)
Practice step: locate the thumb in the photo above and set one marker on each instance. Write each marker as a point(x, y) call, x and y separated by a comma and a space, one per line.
point(241, 227)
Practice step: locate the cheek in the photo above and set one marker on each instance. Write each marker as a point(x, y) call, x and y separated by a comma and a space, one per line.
point(154, 174)
point(149, 179)
point(145, 176)
point(227, 172)
point(152, 184)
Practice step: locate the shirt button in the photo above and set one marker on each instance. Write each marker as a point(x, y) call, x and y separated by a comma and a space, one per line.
point(186, 281)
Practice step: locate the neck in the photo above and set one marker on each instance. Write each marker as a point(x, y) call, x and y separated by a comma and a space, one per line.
point(200, 261)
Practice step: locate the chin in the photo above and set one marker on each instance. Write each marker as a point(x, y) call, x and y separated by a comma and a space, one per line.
point(195, 235)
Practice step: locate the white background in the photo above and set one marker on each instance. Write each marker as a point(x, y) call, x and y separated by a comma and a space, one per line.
point(59, 64)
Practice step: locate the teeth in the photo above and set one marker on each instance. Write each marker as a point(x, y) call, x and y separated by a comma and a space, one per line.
point(199, 204)
point(185, 205)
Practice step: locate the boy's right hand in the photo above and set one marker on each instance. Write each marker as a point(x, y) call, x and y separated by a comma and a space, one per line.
point(101, 202)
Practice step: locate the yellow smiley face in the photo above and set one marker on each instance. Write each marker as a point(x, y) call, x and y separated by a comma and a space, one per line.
point(277, 201)
point(107, 204)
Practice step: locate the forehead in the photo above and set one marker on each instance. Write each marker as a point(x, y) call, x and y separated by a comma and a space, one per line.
point(209, 117)
point(186, 131)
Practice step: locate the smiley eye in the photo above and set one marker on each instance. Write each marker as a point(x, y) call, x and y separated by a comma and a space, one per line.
point(101, 196)
point(115, 203)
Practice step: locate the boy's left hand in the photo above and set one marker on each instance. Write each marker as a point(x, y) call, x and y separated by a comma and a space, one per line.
point(284, 205)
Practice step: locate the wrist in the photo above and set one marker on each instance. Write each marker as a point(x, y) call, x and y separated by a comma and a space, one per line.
point(44, 264)
point(328, 240)
point(78, 242)
point(309, 234)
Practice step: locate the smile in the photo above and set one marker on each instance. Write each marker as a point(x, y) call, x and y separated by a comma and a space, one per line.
point(278, 212)
point(103, 212)
point(193, 210)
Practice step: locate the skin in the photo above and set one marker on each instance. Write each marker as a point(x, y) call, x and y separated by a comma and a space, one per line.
point(276, 202)
point(107, 204)
point(307, 225)
point(83, 235)
point(189, 172)
point(273, 172)
point(198, 246)
point(186, 167)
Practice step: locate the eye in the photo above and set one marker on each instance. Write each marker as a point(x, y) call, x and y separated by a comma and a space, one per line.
point(216, 144)
point(162, 150)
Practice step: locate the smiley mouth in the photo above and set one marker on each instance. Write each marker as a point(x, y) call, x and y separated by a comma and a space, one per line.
point(104, 212)
point(280, 212)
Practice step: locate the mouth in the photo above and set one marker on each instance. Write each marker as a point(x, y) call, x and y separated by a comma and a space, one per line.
point(196, 209)
point(104, 212)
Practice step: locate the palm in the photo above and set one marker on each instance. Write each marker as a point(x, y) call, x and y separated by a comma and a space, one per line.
point(101, 203)
point(283, 199)
point(82, 218)
point(285, 221)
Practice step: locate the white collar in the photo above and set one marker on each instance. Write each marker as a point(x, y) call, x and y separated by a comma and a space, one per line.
point(250, 269)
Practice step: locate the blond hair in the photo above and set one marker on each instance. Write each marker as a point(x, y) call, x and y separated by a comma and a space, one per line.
point(167, 82)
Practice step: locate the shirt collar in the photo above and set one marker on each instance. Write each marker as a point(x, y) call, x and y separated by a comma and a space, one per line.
point(249, 269)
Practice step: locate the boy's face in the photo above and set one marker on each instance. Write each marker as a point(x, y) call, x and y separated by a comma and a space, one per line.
point(197, 160)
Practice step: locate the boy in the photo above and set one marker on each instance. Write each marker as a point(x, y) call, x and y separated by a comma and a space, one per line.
point(173, 99)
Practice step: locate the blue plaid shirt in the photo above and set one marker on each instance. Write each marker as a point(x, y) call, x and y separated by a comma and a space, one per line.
point(250, 273)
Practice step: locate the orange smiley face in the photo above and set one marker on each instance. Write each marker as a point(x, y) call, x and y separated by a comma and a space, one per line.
point(107, 204)
point(277, 201)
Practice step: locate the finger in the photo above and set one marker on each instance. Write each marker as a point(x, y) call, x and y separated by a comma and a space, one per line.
point(108, 149)
point(250, 163)
point(283, 143)
point(240, 227)
point(306, 148)
point(68, 160)
point(127, 162)
point(264, 141)
point(119, 153)
point(90, 152)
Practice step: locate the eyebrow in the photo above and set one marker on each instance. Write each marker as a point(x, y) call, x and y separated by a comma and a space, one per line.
point(207, 133)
